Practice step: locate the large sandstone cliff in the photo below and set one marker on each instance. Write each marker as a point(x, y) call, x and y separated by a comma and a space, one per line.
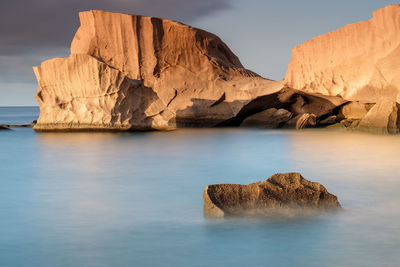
point(359, 62)
point(129, 72)
point(134, 72)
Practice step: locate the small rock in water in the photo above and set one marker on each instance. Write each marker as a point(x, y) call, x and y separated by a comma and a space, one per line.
point(279, 194)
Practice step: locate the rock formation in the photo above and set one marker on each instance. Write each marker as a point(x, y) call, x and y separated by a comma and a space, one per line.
point(359, 62)
point(383, 117)
point(354, 110)
point(294, 102)
point(129, 72)
point(279, 193)
point(83, 92)
point(134, 72)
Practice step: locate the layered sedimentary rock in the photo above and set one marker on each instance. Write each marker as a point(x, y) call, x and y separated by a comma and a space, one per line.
point(281, 192)
point(135, 72)
point(359, 62)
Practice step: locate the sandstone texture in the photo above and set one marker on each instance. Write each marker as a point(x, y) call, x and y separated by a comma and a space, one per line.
point(384, 117)
point(83, 92)
point(359, 62)
point(281, 192)
point(129, 72)
point(354, 110)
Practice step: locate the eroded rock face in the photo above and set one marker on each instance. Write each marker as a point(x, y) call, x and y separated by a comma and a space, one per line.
point(383, 117)
point(280, 192)
point(81, 92)
point(181, 75)
point(360, 61)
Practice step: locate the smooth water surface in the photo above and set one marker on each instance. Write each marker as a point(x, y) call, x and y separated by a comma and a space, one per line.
point(18, 115)
point(135, 199)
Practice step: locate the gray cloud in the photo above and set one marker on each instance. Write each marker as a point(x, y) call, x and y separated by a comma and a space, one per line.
point(31, 30)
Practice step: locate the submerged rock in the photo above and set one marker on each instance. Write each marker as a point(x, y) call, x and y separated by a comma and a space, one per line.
point(9, 126)
point(4, 127)
point(281, 192)
point(329, 121)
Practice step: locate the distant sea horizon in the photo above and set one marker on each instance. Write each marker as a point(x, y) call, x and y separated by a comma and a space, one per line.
point(19, 106)
point(18, 114)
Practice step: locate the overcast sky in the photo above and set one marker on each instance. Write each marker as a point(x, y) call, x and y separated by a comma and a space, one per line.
point(261, 32)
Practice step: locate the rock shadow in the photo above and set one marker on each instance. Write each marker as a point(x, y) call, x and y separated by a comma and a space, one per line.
point(207, 112)
point(297, 102)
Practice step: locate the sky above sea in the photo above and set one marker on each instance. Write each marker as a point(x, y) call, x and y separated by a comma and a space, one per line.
point(261, 33)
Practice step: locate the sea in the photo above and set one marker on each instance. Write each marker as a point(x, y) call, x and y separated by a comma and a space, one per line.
point(135, 199)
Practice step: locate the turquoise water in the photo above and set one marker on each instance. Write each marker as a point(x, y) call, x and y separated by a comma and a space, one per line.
point(135, 199)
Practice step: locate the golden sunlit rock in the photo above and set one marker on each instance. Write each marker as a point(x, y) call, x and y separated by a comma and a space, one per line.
point(359, 62)
point(134, 72)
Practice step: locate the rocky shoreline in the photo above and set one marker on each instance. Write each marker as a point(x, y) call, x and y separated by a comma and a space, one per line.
point(290, 108)
point(143, 73)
